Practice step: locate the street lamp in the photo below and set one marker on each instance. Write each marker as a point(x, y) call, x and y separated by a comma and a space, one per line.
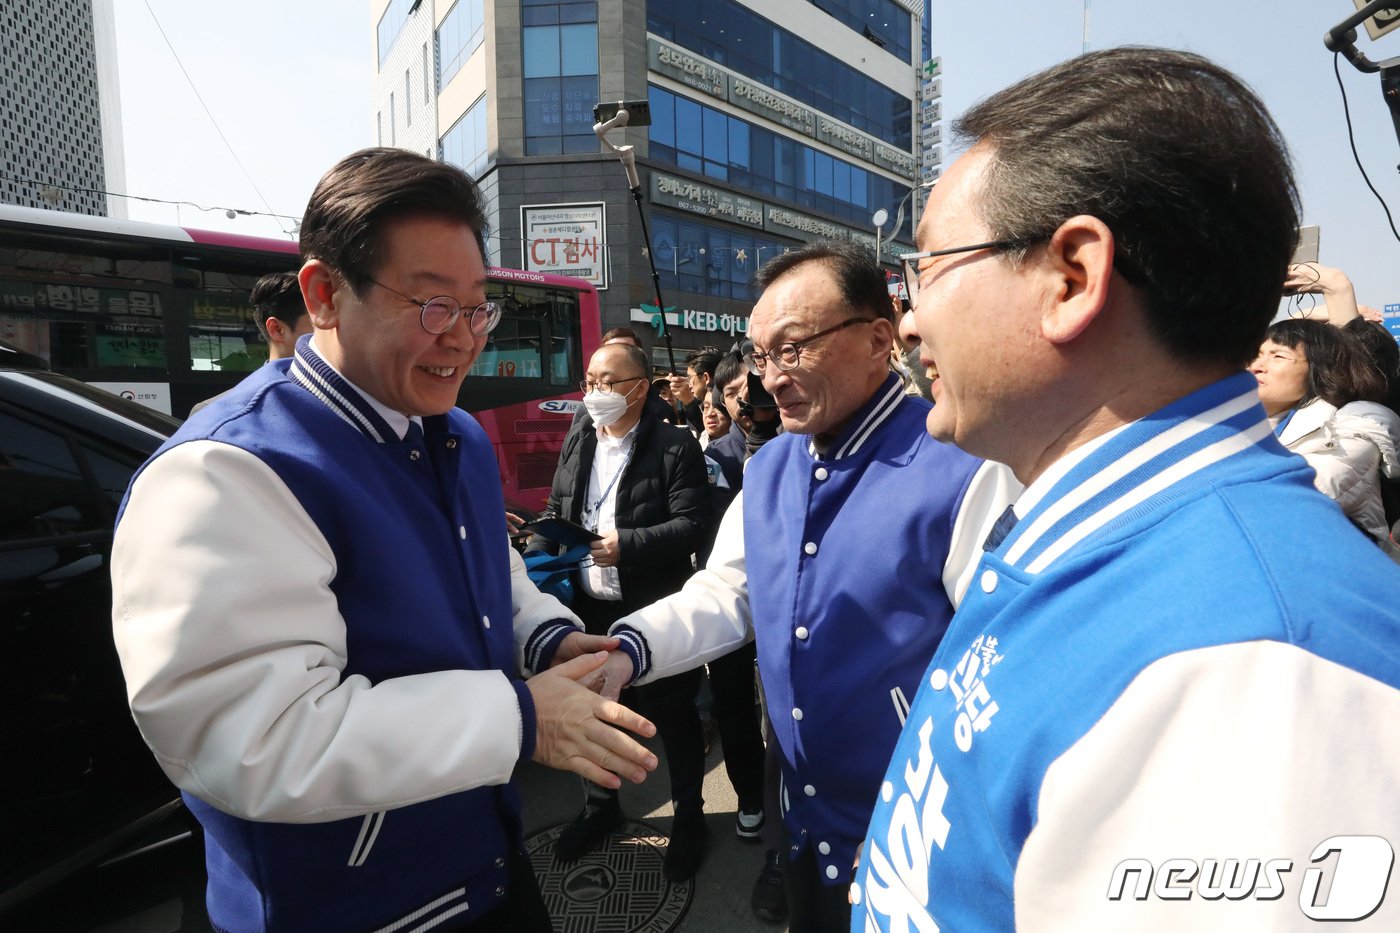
point(882, 215)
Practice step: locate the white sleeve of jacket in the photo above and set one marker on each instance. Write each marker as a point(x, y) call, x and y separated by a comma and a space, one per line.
point(709, 617)
point(234, 653)
point(992, 489)
point(532, 608)
point(1255, 750)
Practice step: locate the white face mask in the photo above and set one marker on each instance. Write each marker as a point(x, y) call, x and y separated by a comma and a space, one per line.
point(605, 407)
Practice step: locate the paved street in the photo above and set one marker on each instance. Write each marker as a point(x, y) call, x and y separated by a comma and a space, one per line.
point(161, 892)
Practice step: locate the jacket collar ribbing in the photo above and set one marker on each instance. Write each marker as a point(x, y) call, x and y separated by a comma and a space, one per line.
point(314, 374)
point(1143, 464)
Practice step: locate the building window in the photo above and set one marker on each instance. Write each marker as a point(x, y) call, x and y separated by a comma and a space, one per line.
point(698, 258)
point(407, 101)
point(393, 121)
point(734, 36)
point(391, 24)
point(464, 145)
point(692, 136)
point(459, 35)
point(883, 22)
point(427, 73)
point(379, 127)
point(560, 55)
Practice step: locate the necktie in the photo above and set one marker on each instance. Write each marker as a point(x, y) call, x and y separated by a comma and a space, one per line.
point(1000, 530)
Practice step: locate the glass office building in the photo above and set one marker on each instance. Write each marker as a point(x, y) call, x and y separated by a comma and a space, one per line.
point(773, 122)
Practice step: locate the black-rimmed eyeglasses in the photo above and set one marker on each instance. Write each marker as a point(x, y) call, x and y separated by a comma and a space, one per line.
point(438, 315)
point(787, 356)
point(910, 261)
point(589, 385)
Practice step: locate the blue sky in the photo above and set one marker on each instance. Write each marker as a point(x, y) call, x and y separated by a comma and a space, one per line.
point(1275, 46)
point(288, 83)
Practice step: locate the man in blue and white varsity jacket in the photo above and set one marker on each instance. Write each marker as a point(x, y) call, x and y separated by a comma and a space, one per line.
point(1169, 699)
point(847, 548)
point(319, 615)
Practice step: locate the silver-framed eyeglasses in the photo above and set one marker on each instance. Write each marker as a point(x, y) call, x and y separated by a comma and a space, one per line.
point(438, 315)
point(788, 356)
point(588, 385)
point(910, 261)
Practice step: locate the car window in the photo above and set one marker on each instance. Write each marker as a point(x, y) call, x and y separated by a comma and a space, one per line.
point(113, 475)
point(43, 493)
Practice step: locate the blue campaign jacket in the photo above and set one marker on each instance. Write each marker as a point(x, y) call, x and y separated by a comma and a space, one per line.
point(1188, 536)
point(845, 554)
point(416, 527)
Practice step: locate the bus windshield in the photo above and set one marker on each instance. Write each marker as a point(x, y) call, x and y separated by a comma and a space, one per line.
point(162, 314)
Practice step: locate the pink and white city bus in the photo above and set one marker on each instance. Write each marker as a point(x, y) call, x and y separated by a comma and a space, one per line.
point(160, 314)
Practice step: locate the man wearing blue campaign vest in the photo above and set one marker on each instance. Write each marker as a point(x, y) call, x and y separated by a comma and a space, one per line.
point(847, 549)
point(1168, 701)
point(317, 610)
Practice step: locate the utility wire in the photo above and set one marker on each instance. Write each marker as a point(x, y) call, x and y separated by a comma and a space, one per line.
point(210, 114)
point(41, 184)
point(1337, 69)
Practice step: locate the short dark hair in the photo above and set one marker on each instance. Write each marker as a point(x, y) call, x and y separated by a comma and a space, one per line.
point(1339, 367)
point(717, 399)
point(367, 189)
point(730, 367)
point(1182, 162)
point(703, 360)
point(860, 277)
point(625, 333)
point(277, 294)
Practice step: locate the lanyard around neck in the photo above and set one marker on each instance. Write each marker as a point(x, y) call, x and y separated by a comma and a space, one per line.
point(590, 513)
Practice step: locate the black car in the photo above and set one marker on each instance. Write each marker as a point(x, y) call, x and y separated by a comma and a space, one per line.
point(77, 781)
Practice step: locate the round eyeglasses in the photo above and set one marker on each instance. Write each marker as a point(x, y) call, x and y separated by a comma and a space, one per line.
point(787, 356)
point(438, 315)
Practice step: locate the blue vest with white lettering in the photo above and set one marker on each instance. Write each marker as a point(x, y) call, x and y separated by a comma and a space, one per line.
point(845, 553)
point(417, 530)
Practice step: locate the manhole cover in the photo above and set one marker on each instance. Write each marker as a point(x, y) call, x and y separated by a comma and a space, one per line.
point(616, 888)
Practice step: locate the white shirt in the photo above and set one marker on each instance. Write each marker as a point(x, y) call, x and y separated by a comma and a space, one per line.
point(600, 507)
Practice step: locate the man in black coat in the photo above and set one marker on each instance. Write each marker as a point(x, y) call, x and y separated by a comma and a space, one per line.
point(640, 484)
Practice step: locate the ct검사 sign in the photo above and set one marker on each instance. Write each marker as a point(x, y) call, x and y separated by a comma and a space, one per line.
point(566, 239)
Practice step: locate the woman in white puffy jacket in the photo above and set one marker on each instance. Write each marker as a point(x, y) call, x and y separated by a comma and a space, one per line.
point(1319, 386)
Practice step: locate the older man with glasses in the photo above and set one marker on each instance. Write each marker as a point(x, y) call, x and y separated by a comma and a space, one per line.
point(317, 609)
point(843, 558)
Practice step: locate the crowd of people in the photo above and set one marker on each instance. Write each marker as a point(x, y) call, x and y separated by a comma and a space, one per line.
point(1047, 638)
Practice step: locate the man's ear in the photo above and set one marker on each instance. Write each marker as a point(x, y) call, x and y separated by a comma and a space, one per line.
point(1080, 265)
point(276, 330)
point(319, 284)
point(882, 337)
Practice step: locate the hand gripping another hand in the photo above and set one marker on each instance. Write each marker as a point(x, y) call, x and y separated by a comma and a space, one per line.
point(578, 730)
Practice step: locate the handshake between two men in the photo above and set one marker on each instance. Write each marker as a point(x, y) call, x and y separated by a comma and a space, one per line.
point(583, 731)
